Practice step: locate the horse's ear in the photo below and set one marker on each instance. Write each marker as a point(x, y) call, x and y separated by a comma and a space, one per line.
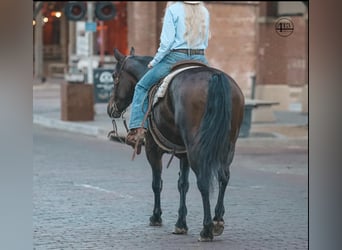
point(118, 56)
point(132, 51)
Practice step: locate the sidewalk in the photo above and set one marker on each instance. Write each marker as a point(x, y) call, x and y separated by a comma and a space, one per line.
point(290, 127)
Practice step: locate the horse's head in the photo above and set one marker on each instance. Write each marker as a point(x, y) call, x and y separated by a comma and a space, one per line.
point(124, 83)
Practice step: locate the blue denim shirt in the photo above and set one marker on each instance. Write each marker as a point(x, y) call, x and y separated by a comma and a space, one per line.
point(172, 34)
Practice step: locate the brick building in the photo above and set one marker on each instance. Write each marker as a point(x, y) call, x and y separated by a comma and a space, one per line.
point(244, 43)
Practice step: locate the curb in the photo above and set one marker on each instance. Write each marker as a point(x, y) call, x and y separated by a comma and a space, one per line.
point(95, 131)
point(69, 126)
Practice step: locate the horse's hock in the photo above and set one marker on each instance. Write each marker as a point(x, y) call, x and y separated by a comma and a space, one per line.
point(77, 102)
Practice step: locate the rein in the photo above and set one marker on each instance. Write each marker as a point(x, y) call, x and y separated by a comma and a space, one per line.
point(114, 132)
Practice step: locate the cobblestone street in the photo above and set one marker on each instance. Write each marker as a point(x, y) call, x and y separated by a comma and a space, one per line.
point(88, 194)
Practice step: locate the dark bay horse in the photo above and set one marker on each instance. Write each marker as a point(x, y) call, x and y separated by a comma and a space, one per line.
point(202, 112)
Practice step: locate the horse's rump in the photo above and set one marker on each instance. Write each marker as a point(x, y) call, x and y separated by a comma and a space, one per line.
point(195, 114)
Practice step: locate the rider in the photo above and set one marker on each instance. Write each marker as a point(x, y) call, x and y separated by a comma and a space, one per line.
point(184, 36)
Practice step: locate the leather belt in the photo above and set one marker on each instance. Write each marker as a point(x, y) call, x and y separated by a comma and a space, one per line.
point(190, 51)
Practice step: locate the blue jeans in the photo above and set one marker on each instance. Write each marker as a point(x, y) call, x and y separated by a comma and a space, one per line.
point(151, 77)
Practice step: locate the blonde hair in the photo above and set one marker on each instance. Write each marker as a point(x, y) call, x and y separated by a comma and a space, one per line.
point(195, 22)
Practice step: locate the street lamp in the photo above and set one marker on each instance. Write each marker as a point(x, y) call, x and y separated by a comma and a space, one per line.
point(75, 11)
point(104, 11)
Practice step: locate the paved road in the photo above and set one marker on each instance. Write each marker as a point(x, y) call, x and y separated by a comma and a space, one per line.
point(88, 194)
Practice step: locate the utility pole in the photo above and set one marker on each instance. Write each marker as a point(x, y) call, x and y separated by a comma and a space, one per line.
point(38, 42)
point(90, 18)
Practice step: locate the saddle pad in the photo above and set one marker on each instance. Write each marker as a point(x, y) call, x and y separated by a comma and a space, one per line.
point(165, 83)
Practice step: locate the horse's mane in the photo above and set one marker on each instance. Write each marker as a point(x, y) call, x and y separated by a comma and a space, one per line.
point(138, 66)
point(143, 59)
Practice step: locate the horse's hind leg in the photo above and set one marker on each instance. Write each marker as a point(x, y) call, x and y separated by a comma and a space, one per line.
point(218, 221)
point(154, 156)
point(183, 187)
point(203, 186)
point(223, 179)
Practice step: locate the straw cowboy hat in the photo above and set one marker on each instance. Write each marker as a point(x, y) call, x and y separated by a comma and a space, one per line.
point(192, 2)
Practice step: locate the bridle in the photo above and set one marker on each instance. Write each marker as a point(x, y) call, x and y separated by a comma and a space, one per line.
point(114, 132)
point(117, 77)
point(116, 83)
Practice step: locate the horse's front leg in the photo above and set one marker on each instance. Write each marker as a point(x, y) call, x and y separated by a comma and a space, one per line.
point(183, 187)
point(154, 157)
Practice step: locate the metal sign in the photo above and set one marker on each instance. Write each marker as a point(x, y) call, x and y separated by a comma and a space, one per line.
point(103, 85)
point(90, 26)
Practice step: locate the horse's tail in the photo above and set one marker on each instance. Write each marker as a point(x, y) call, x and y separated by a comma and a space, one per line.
point(213, 138)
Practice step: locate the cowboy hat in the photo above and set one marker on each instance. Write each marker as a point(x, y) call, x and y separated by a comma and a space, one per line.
point(192, 2)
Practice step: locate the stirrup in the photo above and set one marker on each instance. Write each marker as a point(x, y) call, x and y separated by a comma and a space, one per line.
point(136, 140)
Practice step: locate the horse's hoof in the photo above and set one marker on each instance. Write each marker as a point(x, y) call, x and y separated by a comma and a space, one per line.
point(180, 231)
point(205, 239)
point(155, 222)
point(218, 228)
